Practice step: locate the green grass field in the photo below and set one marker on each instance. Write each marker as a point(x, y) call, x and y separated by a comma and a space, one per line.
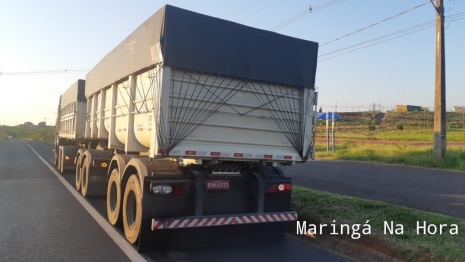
point(355, 126)
point(321, 207)
point(453, 135)
point(395, 153)
point(28, 133)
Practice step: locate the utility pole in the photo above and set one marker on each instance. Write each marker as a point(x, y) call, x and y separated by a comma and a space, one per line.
point(439, 151)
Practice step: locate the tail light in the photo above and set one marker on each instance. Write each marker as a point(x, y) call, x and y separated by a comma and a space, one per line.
point(277, 188)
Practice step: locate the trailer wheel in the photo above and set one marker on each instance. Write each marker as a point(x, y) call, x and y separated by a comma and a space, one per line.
point(114, 198)
point(58, 158)
point(78, 174)
point(132, 209)
point(84, 178)
point(55, 157)
point(61, 166)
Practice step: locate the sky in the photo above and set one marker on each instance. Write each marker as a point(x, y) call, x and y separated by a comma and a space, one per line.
point(51, 36)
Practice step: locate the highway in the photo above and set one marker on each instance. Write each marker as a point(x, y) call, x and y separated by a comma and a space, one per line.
point(44, 220)
point(433, 190)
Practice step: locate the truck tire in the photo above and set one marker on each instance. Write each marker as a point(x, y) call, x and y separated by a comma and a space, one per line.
point(78, 174)
point(132, 209)
point(58, 154)
point(84, 178)
point(55, 158)
point(114, 198)
point(61, 165)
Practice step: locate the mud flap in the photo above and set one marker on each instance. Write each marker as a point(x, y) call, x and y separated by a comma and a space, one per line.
point(98, 186)
point(151, 240)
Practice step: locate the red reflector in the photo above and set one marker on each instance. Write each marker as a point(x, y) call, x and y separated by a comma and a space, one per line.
point(162, 152)
point(238, 155)
point(287, 157)
point(215, 153)
point(177, 190)
point(276, 188)
point(191, 153)
point(268, 156)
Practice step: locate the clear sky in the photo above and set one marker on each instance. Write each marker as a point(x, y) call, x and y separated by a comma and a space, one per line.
point(51, 35)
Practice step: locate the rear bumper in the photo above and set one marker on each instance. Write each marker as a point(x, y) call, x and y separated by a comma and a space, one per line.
point(223, 220)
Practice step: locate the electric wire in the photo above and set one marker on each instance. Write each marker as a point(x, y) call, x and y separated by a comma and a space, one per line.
point(425, 26)
point(306, 12)
point(428, 24)
point(261, 10)
point(244, 7)
point(377, 23)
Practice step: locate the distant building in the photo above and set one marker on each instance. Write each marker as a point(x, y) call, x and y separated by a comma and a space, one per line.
point(41, 124)
point(28, 124)
point(458, 109)
point(408, 108)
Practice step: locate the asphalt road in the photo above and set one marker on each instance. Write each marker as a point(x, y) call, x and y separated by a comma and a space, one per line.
point(42, 221)
point(432, 190)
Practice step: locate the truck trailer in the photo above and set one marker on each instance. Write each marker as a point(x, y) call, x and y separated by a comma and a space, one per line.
point(187, 124)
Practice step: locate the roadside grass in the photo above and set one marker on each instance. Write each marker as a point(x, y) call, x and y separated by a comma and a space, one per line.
point(453, 135)
point(401, 153)
point(46, 133)
point(317, 207)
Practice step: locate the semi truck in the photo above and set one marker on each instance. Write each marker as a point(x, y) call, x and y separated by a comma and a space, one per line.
point(188, 122)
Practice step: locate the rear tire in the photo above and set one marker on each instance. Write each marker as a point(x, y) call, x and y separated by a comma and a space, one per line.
point(132, 209)
point(61, 165)
point(78, 174)
point(55, 156)
point(114, 198)
point(58, 158)
point(84, 178)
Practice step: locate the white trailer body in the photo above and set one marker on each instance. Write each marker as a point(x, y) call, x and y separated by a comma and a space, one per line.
point(193, 115)
point(167, 90)
point(72, 112)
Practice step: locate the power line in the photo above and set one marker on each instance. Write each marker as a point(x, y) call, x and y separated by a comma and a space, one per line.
point(268, 7)
point(392, 38)
point(243, 8)
point(427, 24)
point(306, 12)
point(238, 8)
point(43, 72)
point(377, 23)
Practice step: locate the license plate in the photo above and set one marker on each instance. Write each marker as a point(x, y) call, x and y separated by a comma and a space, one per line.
point(217, 184)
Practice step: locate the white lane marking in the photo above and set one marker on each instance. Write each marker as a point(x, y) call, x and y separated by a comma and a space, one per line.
point(132, 254)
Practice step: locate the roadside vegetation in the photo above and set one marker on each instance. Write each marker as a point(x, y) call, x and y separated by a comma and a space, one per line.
point(316, 207)
point(402, 153)
point(402, 138)
point(46, 133)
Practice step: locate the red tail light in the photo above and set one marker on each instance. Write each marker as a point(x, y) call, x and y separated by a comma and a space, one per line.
point(277, 188)
point(178, 191)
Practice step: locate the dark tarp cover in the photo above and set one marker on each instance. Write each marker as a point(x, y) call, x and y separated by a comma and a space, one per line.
point(183, 39)
point(74, 93)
